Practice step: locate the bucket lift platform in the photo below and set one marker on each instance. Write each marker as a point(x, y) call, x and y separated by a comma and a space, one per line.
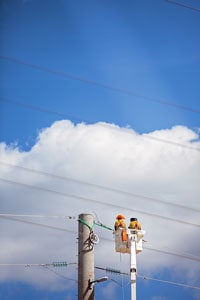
point(123, 239)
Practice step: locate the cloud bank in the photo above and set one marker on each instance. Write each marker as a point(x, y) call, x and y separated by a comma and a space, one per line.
point(105, 170)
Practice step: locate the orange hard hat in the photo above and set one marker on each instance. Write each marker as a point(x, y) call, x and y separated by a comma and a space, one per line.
point(120, 216)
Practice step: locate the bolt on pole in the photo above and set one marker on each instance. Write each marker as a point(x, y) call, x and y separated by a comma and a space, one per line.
point(85, 258)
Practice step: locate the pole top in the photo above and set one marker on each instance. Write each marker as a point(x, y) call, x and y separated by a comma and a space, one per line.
point(86, 214)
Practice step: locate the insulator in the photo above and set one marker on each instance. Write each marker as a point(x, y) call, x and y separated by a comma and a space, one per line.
point(59, 264)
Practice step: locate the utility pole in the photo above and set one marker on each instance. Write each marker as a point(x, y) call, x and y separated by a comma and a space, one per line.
point(85, 258)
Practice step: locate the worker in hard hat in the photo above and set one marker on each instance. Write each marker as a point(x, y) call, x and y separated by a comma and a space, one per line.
point(120, 222)
point(134, 224)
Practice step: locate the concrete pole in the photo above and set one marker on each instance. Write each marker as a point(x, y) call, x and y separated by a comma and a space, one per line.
point(85, 258)
point(133, 266)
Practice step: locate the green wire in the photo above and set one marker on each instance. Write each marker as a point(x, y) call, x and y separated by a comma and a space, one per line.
point(101, 225)
point(85, 223)
point(94, 223)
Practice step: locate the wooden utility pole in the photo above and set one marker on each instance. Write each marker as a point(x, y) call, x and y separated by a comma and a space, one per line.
point(85, 258)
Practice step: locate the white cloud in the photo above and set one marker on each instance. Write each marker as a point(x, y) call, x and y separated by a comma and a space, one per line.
point(106, 155)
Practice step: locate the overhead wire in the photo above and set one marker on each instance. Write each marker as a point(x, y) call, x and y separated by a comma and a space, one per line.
point(164, 251)
point(111, 270)
point(70, 217)
point(177, 254)
point(41, 109)
point(102, 187)
point(64, 194)
point(169, 282)
point(38, 216)
point(144, 135)
point(147, 98)
point(144, 277)
point(184, 254)
point(58, 274)
point(122, 285)
point(46, 266)
point(183, 5)
point(37, 224)
point(96, 83)
point(155, 279)
point(31, 264)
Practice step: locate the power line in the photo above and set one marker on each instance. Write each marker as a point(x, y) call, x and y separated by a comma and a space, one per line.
point(37, 224)
point(184, 254)
point(95, 83)
point(172, 253)
point(100, 202)
point(110, 270)
point(45, 266)
point(190, 257)
point(60, 275)
point(38, 216)
point(101, 187)
point(33, 264)
point(118, 272)
point(24, 265)
point(169, 282)
point(145, 136)
point(183, 5)
point(41, 109)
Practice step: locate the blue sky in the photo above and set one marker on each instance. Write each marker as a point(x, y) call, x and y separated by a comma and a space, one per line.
point(133, 64)
point(149, 48)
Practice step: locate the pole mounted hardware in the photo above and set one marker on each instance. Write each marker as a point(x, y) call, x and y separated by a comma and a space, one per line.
point(59, 264)
point(91, 282)
point(94, 239)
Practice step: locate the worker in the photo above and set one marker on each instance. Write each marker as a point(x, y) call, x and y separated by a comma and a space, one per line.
point(134, 224)
point(120, 222)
